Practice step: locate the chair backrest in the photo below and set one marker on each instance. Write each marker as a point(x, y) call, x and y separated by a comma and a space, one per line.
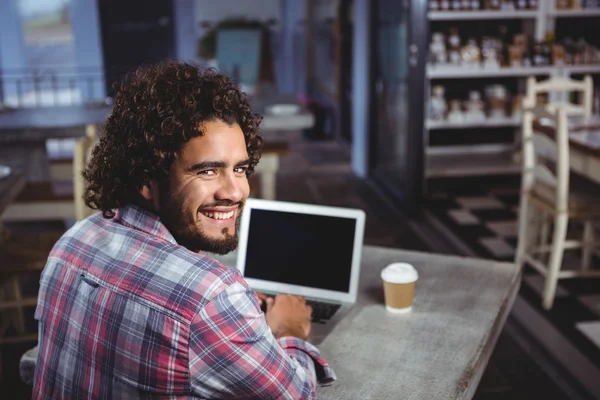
point(562, 86)
point(546, 158)
point(81, 155)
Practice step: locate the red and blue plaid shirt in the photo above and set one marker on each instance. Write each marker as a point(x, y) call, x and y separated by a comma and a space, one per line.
point(125, 312)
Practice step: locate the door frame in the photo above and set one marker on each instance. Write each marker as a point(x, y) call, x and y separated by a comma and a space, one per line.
point(406, 191)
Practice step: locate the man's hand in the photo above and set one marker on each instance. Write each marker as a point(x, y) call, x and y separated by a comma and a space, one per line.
point(288, 315)
point(262, 298)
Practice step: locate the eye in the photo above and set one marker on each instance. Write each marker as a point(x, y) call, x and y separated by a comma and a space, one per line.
point(208, 172)
point(241, 170)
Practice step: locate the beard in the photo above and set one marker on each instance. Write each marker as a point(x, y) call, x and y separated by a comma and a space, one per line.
point(183, 226)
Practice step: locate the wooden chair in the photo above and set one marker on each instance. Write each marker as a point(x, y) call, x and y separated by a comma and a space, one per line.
point(81, 155)
point(550, 195)
point(57, 199)
point(22, 254)
point(558, 89)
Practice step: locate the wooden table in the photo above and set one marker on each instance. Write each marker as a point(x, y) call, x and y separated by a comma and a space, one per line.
point(584, 144)
point(439, 350)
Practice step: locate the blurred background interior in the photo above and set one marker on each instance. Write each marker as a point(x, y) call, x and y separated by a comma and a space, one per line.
point(409, 109)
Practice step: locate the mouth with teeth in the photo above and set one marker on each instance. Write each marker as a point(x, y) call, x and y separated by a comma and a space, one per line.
point(221, 216)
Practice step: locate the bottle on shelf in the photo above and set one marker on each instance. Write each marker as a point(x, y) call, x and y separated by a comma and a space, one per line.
point(474, 108)
point(491, 4)
point(454, 47)
point(576, 4)
point(438, 106)
point(507, 5)
point(521, 4)
point(437, 49)
point(503, 46)
point(592, 3)
point(547, 48)
point(470, 54)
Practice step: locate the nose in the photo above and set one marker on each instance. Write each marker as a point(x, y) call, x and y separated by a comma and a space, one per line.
point(234, 188)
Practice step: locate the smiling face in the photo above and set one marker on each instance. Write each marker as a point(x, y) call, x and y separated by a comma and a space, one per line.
point(203, 199)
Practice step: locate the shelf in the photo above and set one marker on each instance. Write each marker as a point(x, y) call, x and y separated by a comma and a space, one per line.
point(481, 15)
point(489, 123)
point(457, 165)
point(461, 72)
point(590, 12)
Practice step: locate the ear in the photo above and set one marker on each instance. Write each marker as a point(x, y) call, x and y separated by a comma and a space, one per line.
point(147, 192)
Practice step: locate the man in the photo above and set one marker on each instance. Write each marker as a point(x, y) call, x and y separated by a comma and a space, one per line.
point(129, 304)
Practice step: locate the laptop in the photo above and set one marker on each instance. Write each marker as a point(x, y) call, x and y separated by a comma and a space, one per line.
point(303, 249)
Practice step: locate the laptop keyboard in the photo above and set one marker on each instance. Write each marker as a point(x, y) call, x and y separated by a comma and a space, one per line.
point(322, 311)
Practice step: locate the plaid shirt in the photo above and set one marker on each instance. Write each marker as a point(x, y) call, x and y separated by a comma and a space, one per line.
point(125, 312)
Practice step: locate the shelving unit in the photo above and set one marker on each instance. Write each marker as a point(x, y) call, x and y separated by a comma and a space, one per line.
point(488, 123)
point(450, 72)
point(481, 15)
point(491, 158)
point(574, 13)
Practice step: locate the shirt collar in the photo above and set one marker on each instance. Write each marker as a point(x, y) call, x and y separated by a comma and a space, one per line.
point(143, 220)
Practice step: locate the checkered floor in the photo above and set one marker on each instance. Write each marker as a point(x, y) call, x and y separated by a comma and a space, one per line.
point(483, 213)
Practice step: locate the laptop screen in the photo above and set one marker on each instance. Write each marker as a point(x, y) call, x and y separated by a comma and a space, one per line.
point(300, 249)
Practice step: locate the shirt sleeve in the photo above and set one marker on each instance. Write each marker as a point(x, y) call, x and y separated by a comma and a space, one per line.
point(233, 353)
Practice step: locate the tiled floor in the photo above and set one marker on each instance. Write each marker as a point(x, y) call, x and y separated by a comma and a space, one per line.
point(484, 214)
point(319, 172)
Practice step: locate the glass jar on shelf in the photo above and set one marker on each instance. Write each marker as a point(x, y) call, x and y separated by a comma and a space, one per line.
point(470, 53)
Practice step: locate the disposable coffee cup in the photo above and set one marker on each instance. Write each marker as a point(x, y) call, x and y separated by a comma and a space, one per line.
point(399, 281)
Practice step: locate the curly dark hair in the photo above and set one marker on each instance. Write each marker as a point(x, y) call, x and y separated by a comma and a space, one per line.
point(157, 110)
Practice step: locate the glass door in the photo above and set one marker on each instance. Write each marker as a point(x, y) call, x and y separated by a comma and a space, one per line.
point(396, 150)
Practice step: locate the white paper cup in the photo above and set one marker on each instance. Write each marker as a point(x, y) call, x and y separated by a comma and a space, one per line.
point(399, 280)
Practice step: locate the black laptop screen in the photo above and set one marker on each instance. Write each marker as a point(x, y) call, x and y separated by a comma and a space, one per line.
point(300, 249)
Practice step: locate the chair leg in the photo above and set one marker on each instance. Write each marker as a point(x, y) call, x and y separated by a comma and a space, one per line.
point(561, 222)
point(544, 234)
point(587, 245)
point(17, 312)
point(523, 234)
